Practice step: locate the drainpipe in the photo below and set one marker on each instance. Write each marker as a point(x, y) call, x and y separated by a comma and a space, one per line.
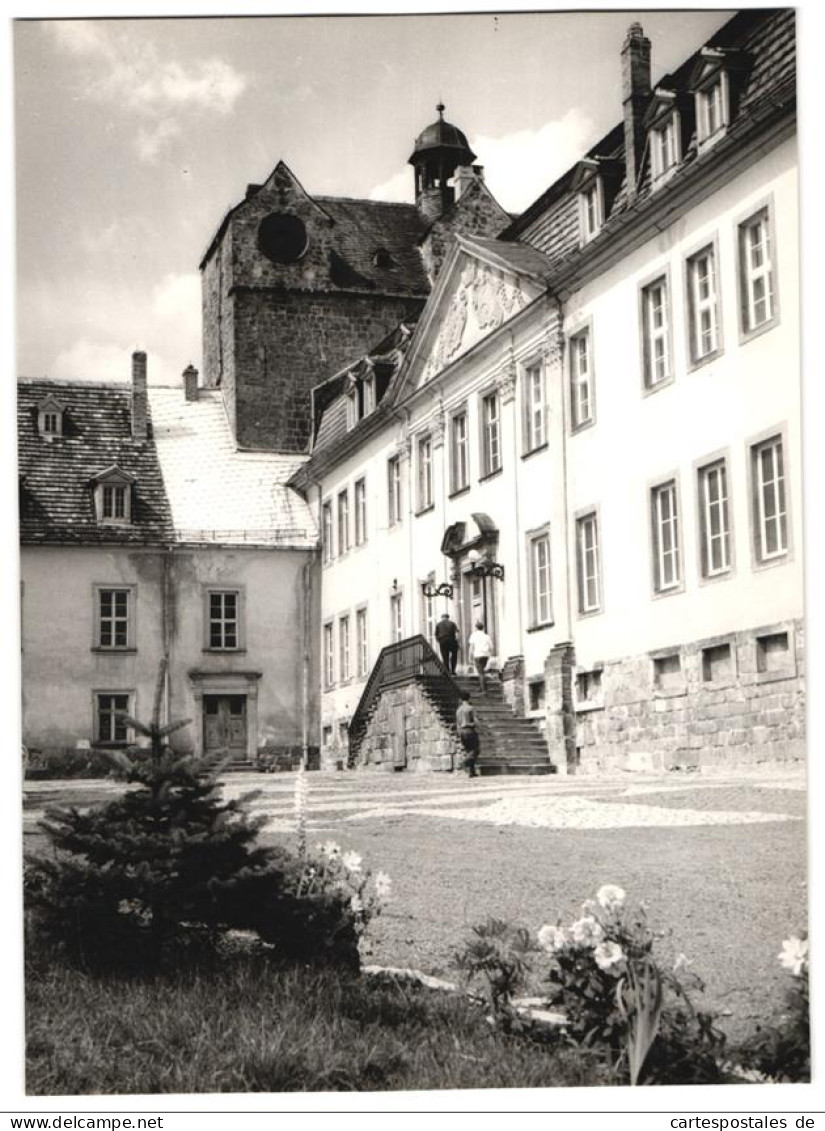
point(166, 627)
point(306, 588)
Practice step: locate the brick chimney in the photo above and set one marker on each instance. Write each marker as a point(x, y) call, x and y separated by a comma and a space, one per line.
point(140, 396)
point(190, 383)
point(635, 93)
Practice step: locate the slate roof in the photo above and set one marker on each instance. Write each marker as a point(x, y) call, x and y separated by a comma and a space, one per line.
point(218, 495)
point(362, 227)
point(56, 497)
point(766, 37)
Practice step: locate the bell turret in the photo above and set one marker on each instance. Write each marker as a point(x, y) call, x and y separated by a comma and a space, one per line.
point(439, 150)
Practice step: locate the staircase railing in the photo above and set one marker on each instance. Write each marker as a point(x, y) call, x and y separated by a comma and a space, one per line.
point(403, 662)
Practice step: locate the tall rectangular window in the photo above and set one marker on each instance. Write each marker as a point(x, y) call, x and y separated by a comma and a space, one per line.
point(755, 272)
point(394, 511)
point(664, 147)
point(459, 452)
point(490, 434)
point(770, 510)
point(110, 726)
point(114, 615)
point(360, 512)
point(329, 656)
point(428, 616)
point(541, 609)
point(714, 519)
point(224, 619)
point(397, 616)
point(362, 641)
point(587, 563)
point(114, 502)
point(712, 111)
point(667, 568)
point(535, 408)
point(703, 305)
point(343, 522)
point(591, 209)
point(343, 648)
point(326, 532)
point(656, 333)
point(581, 387)
point(425, 473)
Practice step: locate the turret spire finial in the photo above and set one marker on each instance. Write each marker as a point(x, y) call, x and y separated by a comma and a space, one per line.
point(440, 108)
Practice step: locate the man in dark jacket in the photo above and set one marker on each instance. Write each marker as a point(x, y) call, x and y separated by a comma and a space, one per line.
point(446, 635)
point(465, 724)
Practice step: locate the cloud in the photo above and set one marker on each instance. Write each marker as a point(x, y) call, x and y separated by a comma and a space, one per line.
point(518, 167)
point(123, 69)
point(178, 299)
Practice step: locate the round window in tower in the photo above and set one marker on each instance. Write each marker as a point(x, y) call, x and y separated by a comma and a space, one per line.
point(282, 237)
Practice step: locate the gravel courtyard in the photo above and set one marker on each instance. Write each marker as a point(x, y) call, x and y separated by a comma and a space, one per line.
point(719, 860)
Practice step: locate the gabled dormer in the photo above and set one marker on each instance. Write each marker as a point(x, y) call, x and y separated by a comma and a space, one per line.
point(50, 417)
point(596, 181)
point(360, 392)
point(113, 490)
point(668, 122)
point(715, 82)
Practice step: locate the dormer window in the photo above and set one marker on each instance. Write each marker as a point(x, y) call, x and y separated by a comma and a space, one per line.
point(591, 209)
point(360, 397)
point(716, 79)
point(665, 121)
point(113, 496)
point(50, 418)
point(596, 180)
point(712, 109)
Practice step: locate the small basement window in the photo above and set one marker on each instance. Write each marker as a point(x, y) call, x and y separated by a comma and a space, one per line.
point(589, 687)
point(773, 652)
point(717, 663)
point(667, 672)
point(537, 695)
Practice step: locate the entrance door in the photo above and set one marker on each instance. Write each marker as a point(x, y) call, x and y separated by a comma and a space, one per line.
point(478, 604)
point(224, 724)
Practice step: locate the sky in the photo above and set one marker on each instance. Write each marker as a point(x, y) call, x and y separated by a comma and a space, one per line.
point(134, 137)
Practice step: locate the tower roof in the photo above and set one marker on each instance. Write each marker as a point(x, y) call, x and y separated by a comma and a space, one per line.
point(442, 135)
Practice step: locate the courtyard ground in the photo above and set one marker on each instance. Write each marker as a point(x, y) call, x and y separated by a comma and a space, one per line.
point(719, 860)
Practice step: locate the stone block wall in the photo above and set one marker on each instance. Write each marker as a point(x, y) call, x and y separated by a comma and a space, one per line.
point(406, 732)
point(512, 683)
point(736, 699)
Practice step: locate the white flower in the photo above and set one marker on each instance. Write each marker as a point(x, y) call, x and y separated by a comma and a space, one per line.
point(681, 963)
point(551, 938)
point(609, 957)
point(590, 907)
point(587, 931)
point(611, 897)
point(794, 955)
point(356, 904)
point(352, 862)
point(383, 886)
point(331, 850)
point(752, 1075)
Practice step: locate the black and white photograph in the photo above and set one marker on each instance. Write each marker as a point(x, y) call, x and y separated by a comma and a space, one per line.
point(411, 603)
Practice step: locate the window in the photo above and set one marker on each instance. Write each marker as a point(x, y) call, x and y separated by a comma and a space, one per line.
point(536, 694)
point(114, 502)
point(110, 727)
point(587, 563)
point(360, 512)
point(428, 616)
point(714, 519)
point(329, 656)
point(368, 395)
point(770, 512)
point(490, 435)
point(535, 434)
point(459, 452)
point(51, 423)
point(773, 653)
point(541, 611)
point(343, 522)
point(656, 333)
point(362, 641)
point(397, 616)
point(665, 148)
point(667, 570)
point(425, 473)
point(712, 109)
point(755, 273)
point(114, 618)
point(589, 688)
point(343, 648)
point(113, 496)
point(703, 305)
point(667, 673)
point(581, 398)
point(717, 663)
point(50, 418)
point(326, 532)
point(223, 610)
point(591, 209)
point(326, 736)
point(394, 490)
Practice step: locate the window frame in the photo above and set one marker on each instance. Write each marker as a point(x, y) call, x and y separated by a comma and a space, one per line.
point(752, 445)
point(669, 123)
point(327, 532)
point(580, 517)
point(396, 623)
point(594, 185)
point(342, 521)
point(425, 478)
point(239, 592)
point(328, 653)
point(488, 429)
point(584, 331)
point(658, 278)
point(535, 619)
point(395, 491)
point(344, 648)
point(359, 491)
point(746, 220)
point(98, 589)
point(705, 137)
point(653, 493)
point(530, 441)
point(129, 737)
point(701, 467)
point(362, 647)
point(462, 412)
point(696, 361)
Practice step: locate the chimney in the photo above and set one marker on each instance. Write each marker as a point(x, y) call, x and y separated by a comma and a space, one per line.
point(635, 93)
point(190, 383)
point(140, 397)
point(463, 178)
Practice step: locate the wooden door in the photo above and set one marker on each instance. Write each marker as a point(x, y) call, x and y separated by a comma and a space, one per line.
point(224, 723)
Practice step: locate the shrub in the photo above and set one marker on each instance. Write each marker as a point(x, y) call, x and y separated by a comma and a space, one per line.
point(498, 956)
point(45, 765)
point(781, 1051)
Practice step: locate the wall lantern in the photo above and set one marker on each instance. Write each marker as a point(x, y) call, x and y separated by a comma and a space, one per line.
point(484, 567)
point(442, 590)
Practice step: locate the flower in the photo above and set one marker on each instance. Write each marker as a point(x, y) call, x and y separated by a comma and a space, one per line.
point(551, 938)
point(611, 897)
point(587, 931)
point(609, 957)
point(352, 862)
point(794, 955)
point(383, 886)
point(681, 962)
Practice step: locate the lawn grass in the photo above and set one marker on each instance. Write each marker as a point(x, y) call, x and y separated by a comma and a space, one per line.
point(251, 1028)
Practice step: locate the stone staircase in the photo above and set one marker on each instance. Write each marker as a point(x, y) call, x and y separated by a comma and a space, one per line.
point(509, 744)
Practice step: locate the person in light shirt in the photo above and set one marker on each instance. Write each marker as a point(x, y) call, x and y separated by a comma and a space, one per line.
point(481, 649)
